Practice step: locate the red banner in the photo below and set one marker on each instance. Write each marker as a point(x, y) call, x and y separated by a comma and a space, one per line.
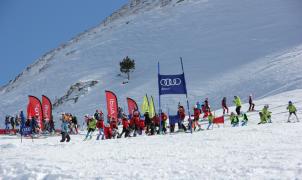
point(34, 108)
point(112, 104)
point(131, 105)
point(46, 107)
point(219, 120)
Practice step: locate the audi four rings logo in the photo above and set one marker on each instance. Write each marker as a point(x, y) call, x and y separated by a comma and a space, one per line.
point(170, 82)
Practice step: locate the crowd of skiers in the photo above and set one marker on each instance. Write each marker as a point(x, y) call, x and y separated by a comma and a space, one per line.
point(107, 128)
point(138, 124)
point(12, 123)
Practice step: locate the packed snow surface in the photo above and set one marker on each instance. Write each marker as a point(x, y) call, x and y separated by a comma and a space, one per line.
point(269, 151)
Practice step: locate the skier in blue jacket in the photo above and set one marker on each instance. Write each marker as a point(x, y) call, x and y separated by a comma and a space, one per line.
point(64, 131)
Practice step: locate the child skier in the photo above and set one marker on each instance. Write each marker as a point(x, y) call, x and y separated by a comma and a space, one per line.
point(196, 118)
point(100, 126)
point(64, 131)
point(91, 127)
point(244, 120)
point(164, 118)
point(265, 115)
point(234, 119)
point(181, 113)
point(210, 118)
point(292, 110)
point(125, 123)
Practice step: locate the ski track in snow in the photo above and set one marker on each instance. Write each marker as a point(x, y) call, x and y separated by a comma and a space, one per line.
point(269, 151)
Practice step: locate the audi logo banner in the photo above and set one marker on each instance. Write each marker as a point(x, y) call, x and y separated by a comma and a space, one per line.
point(172, 84)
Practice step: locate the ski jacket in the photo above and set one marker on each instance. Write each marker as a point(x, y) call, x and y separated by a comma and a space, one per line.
point(291, 108)
point(141, 123)
point(237, 101)
point(210, 118)
point(113, 124)
point(164, 117)
point(92, 123)
point(266, 113)
point(196, 113)
point(156, 120)
point(100, 124)
point(64, 127)
point(181, 113)
point(125, 123)
point(234, 119)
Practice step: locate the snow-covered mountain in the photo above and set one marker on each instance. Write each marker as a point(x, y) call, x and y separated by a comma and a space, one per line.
point(235, 47)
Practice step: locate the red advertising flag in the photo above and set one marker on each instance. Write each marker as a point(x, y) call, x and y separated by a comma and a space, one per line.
point(112, 104)
point(46, 107)
point(219, 120)
point(35, 109)
point(131, 105)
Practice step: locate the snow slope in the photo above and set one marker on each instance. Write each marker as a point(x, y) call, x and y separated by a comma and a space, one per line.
point(270, 151)
point(229, 47)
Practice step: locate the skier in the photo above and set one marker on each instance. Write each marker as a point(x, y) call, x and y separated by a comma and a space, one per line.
point(141, 126)
point(12, 122)
point(164, 118)
point(135, 122)
point(74, 121)
point(147, 122)
point(100, 126)
point(196, 118)
point(125, 123)
point(7, 122)
point(237, 102)
point(205, 111)
point(97, 115)
point(210, 119)
point(114, 127)
point(207, 105)
point(234, 119)
point(265, 115)
point(181, 114)
point(156, 122)
point(252, 105)
point(244, 120)
point(91, 127)
point(224, 106)
point(292, 110)
point(64, 131)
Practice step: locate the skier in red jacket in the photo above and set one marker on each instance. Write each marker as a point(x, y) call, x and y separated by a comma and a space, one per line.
point(181, 113)
point(196, 118)
point(125, 123)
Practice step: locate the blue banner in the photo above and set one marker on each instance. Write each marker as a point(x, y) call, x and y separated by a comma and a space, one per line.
point(172, 84)
point(24, 130)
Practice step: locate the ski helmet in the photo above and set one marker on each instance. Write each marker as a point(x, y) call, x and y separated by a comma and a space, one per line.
point(289, 102)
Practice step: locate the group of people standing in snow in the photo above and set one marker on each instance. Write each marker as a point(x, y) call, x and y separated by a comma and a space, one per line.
point(137, 125)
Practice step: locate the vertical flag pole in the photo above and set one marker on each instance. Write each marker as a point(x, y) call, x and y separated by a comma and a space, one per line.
point(190, 121)
point(159, 103)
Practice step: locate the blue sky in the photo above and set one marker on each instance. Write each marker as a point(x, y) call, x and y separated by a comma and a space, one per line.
point(30, 28)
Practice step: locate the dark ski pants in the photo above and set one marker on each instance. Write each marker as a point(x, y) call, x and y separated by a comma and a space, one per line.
point(238, 110)
point(225, 108)
point(65, 136)
point(126, 131)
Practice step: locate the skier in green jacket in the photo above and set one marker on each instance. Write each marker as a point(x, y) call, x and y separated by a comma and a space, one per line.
point(265, 115)
point(237, 103)
point(91, 126)
point(234, 119)
point(292, 110)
